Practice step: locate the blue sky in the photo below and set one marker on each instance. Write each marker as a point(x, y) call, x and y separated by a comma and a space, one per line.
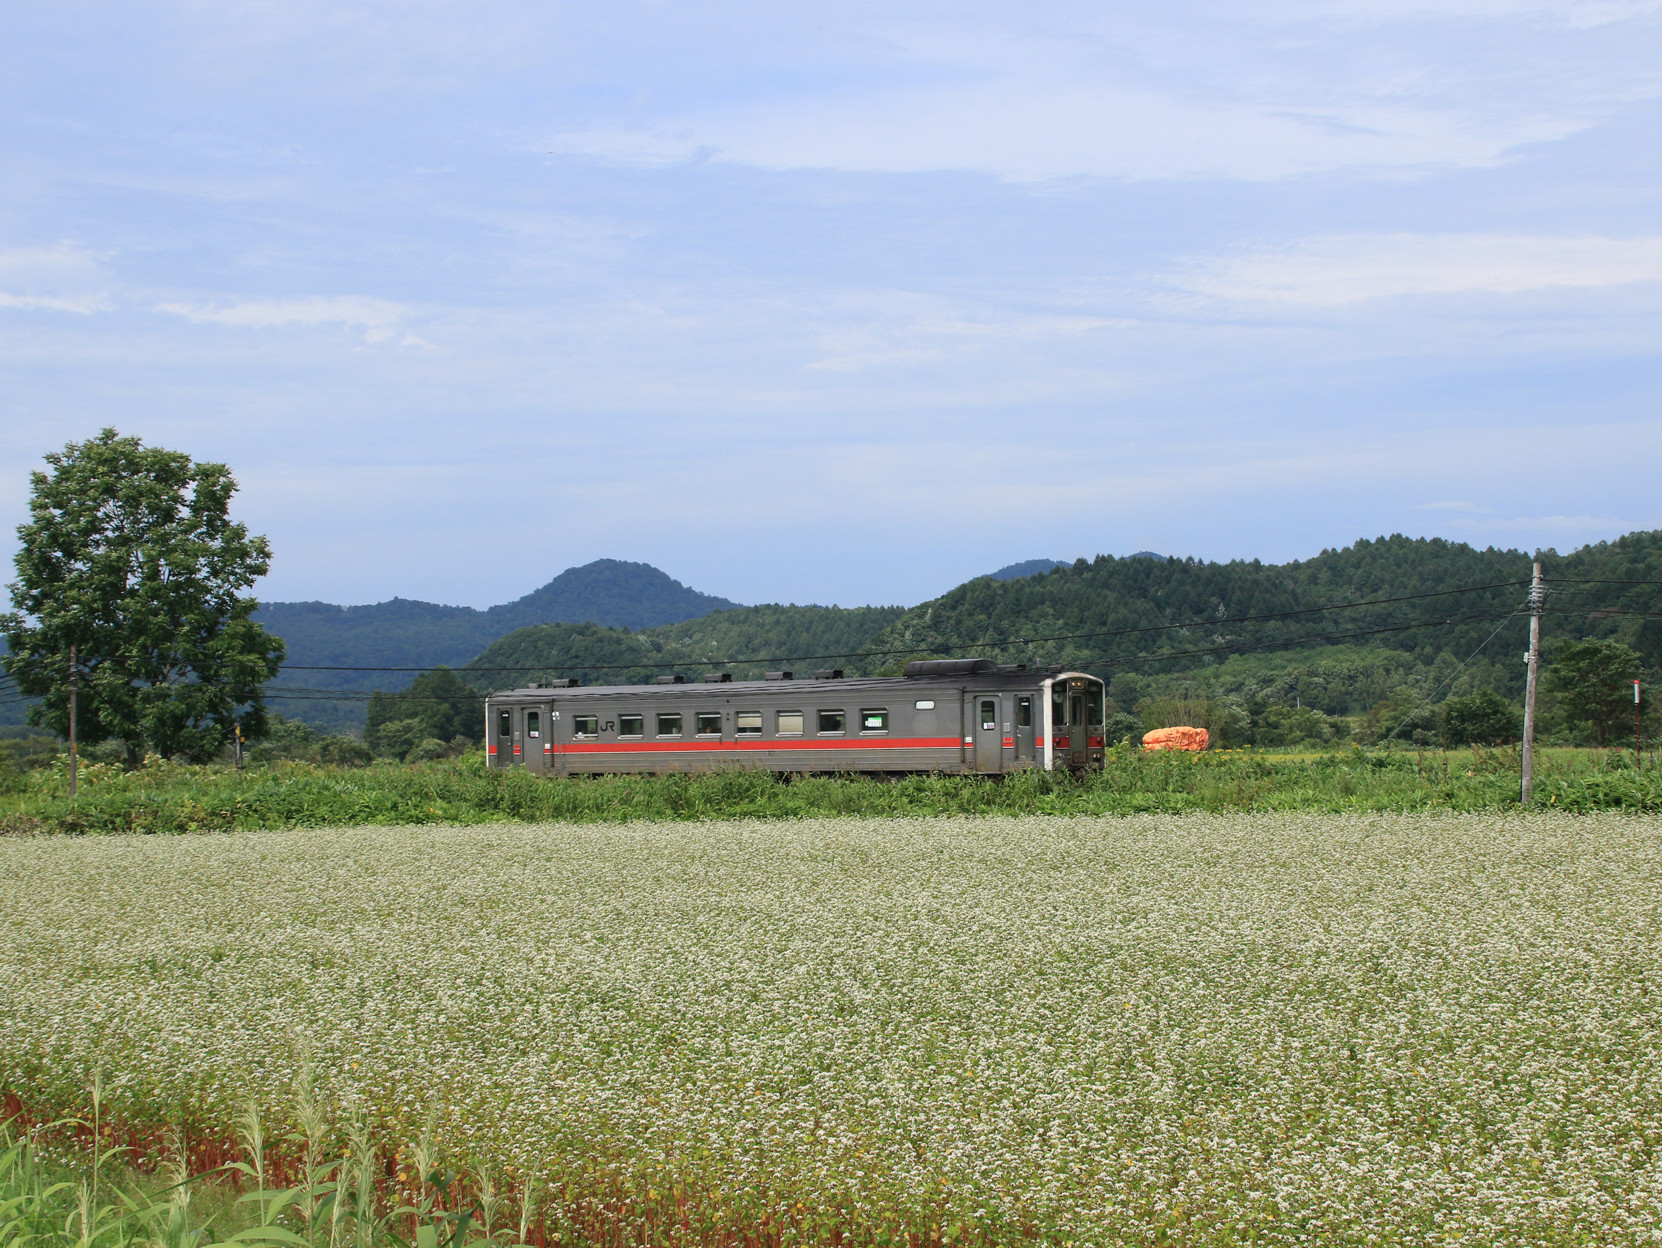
point(840, 302)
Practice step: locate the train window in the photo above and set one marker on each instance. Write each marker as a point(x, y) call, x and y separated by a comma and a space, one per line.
point(669, 725)
point(748, 723)
point(989, 714)
point(631, 725)
point(585, 725)
point(788, 723)
point(708, 723)
point(1093, 707)
point(1058, 708)
point(1024, 712)
point(832, 721)
point(926, 704)
point(874, 719)
point(533, 724)
point(504, 723)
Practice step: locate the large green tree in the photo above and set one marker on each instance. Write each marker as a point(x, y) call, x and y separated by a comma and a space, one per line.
point(130, 558)
point(436, 705)
point(1591, 686)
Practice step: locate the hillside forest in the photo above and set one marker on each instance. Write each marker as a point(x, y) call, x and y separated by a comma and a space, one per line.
point(1413, 641)
point(1261, 654)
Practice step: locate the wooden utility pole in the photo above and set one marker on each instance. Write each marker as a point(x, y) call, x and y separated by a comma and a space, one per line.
point(1638, 754)
point(72, 691)
point(1537, 596)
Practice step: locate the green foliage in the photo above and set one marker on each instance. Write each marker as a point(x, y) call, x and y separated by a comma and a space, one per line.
point(1120, 726)
point(436, 705)
point(129, 557)
point(344, 752)
point(285, 738)
point(1482, 718)
point(1590, 684)
point(609, 656)
point(592, 653)
point(1080, 603)
point(1226, 720)
point(1295, 725)
point(404, 633)
point(75, 1192)
point(463, 790)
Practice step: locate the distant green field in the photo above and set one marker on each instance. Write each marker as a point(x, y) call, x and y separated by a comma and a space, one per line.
point(1205, 1030)
point(170, 798)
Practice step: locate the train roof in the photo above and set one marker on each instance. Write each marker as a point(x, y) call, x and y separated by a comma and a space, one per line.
point(991, 677)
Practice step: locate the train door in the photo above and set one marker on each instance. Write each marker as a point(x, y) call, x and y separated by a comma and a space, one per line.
point(987, 724)
point(536, 734)
point(1024, 730)
point(1078, 753)
point(1064, 734)
point(502, 743)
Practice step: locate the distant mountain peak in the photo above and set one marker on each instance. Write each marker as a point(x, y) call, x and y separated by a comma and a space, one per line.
point(1027, 567)
point(614, 592)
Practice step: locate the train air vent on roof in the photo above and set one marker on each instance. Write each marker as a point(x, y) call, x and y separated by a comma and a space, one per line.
point(829, 673)
point(716, 678)
point(1009, 669)
point(676, 679)
point(777, 675)
point(950, 667)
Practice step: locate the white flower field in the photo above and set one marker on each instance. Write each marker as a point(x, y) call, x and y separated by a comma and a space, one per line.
point(1285, 1029)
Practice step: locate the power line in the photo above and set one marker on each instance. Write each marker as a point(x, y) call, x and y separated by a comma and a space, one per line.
point(1428, 697)
point(1213, 622)
point(1230, 648)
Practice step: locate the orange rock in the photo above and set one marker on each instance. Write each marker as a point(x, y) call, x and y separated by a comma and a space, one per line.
point(1176, 739)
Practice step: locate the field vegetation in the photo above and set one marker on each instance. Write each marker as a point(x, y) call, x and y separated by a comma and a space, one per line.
point(454, 786)
point(1355, 1029)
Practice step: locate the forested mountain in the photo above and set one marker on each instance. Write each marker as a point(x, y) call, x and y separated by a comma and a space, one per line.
point(1373, 629)
point(1027, 567)
point(411, 634)
point(1263, 636)
point(772, 636)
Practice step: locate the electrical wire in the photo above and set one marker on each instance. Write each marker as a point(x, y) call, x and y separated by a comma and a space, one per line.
point(1229, 648)
point(1430, 696)
point(1213, 622)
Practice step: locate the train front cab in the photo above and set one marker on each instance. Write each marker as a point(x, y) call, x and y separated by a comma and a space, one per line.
point(1073, 706)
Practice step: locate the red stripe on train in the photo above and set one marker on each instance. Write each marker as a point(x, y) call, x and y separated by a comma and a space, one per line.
point(858, 743)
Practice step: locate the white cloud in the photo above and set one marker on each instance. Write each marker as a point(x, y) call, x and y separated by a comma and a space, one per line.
point(53, 303)
point(1030, 130)
point(379, 320)
point(1344, 269)
point(64, 278)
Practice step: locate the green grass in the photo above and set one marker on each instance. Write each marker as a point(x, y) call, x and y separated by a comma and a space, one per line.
point(173, 798)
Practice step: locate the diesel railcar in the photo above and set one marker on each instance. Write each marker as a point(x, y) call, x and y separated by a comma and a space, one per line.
point(945, 715)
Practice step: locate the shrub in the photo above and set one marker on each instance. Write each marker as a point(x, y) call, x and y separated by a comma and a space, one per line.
point(344, 752)
point(1483, 718)
point(427, 750)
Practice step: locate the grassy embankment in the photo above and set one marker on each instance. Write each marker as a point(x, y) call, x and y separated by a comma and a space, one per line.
point(168, 798)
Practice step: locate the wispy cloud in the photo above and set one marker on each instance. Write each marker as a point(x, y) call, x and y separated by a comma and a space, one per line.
point(1350, 268)
point(56, 303)
point(1030, 130)
point(63, 278)
point(378, 319)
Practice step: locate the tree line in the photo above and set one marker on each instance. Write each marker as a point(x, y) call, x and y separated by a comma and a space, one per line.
point(132, 603)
